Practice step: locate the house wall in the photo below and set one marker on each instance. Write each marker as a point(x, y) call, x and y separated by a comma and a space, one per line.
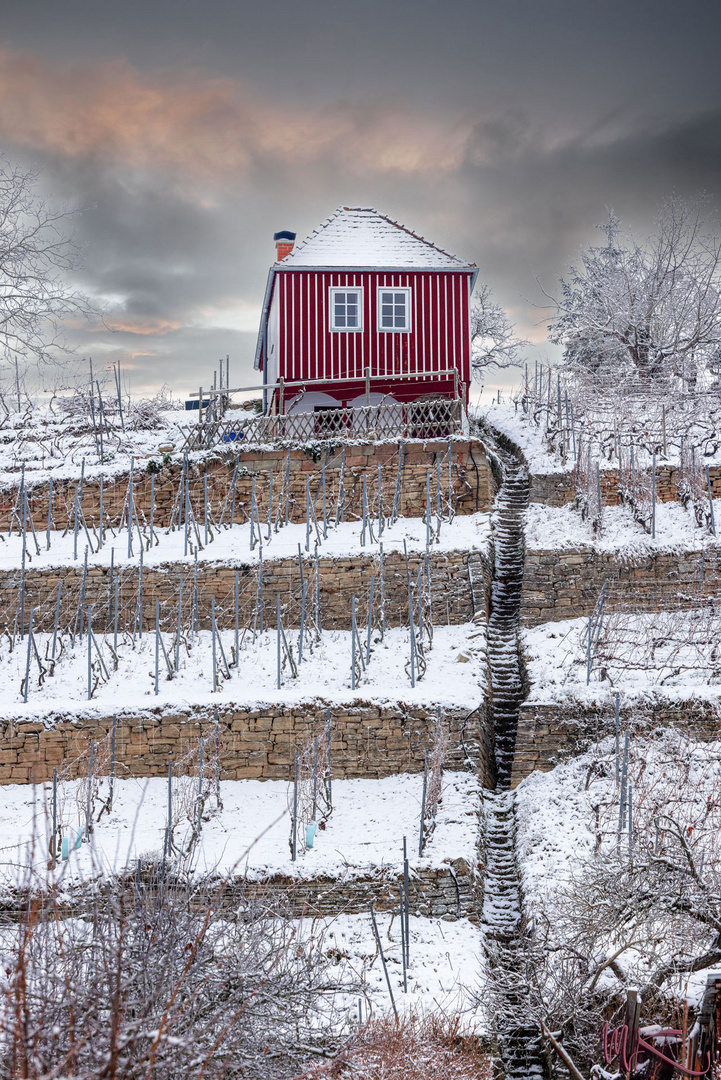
point(439, 339)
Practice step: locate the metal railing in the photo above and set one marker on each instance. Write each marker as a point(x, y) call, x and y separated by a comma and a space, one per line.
point(430, 419)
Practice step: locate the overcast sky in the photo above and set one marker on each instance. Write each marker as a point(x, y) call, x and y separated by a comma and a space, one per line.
point(189, 132)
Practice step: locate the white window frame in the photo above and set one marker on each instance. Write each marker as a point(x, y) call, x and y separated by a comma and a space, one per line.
point(333, 289)
point(409, 314)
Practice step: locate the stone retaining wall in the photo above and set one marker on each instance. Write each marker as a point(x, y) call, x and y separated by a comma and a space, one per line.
point(368, 740)
point(449, 892)
point(566, 584)
point(455, 892)
point(558, 489)
point(460, 589)
point(550, 734)
point(472, 485)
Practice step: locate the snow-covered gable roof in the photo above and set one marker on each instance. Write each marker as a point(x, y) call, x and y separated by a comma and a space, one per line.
point(358, 236)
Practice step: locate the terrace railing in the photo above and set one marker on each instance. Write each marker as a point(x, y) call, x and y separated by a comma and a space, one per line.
point(436, 418)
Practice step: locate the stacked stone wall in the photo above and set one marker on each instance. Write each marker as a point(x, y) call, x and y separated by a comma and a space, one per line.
point(558, 489)
point(451, 891)
point(471, 483)
point(460, 589)
point(549, 734)
point(368, 740)
point(562, 584)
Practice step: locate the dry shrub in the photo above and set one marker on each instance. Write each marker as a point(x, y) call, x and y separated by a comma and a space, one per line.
point(428, 1047)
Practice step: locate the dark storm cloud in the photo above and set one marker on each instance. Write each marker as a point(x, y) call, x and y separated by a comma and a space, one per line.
point(537, 204)
point(188, 133)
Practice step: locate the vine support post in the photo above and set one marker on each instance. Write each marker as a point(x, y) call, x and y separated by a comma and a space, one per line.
point(53, 839)
point(421, 838)
point(383, 960)
point(294, 838)
point(50, 515)
point(112, 761)
point(710, 501)
point(406, 895)
point(353, 642)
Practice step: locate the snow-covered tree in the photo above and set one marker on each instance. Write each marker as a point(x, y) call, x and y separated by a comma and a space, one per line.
point(650, 310)
point(493, 338)
point(37, 257)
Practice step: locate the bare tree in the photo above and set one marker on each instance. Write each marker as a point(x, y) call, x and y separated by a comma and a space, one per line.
point(493, 338)
point(640, 909)
point(650, 310)
point(37, 256)
point(162, 978)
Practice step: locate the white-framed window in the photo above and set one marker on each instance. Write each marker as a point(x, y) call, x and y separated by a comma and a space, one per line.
point(346, 308)
point(394, 309)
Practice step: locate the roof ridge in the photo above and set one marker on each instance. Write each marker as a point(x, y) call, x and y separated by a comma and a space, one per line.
point(417, 236)
point(344, 216)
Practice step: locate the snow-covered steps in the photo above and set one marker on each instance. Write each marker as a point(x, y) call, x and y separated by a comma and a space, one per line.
point(503, 626)
point(502, 894)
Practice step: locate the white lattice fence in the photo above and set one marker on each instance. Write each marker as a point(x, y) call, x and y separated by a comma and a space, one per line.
point(432, 419)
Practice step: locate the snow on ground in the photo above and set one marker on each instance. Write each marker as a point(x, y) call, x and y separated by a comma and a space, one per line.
point(455, 674)
point(444, 975)
point(672, 654)
point(227, 545)
point(514, 423)
point(49, 442)
point(249, 835)
point(566, 815)
point(563, 528)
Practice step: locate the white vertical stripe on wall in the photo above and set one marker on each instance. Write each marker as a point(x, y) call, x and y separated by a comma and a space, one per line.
point(453, 311)
point(446, 328)
point(284, 280)
point(438, 322)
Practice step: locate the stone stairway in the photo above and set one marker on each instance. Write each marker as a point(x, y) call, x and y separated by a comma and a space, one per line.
point(520, 1048)
point(503, 625)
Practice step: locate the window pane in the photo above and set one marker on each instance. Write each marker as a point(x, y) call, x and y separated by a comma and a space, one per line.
point(387, 320)
point(346, 309)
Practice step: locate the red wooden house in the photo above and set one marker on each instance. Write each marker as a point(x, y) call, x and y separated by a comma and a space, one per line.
point(361, 312)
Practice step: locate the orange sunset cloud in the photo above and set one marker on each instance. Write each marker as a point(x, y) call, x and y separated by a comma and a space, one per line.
point(207, 126)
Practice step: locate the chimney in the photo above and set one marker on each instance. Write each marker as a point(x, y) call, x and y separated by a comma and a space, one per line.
point(283, 244)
